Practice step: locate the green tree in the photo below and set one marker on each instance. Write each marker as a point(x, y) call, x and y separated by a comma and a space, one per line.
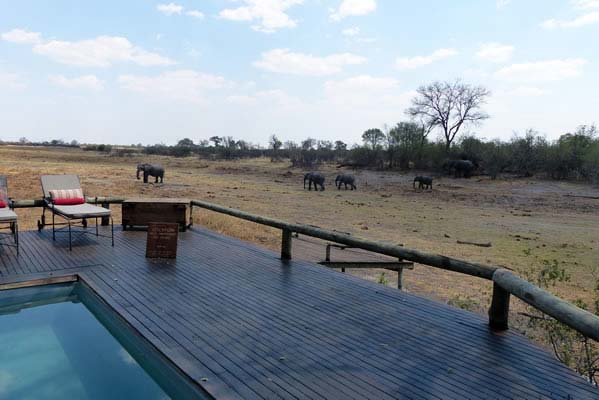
point(185, 142)
point(216, 140)
point(373, 138)
point(340, 146)
point(308, 144)
point(404, 143)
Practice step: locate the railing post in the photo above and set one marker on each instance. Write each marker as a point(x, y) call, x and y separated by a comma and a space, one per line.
point(286, 245)
point(400, 277)
point(500, 308)
point(105, 220)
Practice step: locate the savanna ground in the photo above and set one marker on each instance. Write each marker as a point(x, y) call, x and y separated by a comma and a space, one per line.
point(528, 222)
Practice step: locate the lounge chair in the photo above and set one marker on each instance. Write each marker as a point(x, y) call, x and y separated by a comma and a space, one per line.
point(8, 218)
point(64, 197)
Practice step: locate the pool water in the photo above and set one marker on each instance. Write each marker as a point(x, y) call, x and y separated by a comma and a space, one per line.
point(53, 347)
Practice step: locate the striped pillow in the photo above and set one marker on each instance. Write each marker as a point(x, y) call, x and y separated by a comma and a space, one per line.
point(67, 197)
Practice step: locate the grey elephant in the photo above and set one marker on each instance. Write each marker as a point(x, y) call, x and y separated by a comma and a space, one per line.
point(151, 170)
point(459, 168)
point(314, 178)
point(424, 182)
point(345, 180)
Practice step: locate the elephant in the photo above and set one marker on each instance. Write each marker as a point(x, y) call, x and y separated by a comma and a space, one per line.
point(424, 182)
point(345, 180)
point(314, 178)
point(459, 168)
point(151, 170)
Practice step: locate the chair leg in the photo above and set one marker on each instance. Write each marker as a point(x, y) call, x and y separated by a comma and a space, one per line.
point(53, 228)
point(112, 230)
point(70, 239)
point(17, 236)
point(96, 226)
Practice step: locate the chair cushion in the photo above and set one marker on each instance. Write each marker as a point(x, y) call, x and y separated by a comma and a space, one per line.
point(81, 211)
point(2, 204)
point(67, 197)
point(7, 215)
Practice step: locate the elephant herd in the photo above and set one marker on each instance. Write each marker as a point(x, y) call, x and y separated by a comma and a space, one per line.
point(317, 179)
point(457, 168)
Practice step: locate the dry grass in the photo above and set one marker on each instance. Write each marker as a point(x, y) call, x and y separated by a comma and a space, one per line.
point(527, 221)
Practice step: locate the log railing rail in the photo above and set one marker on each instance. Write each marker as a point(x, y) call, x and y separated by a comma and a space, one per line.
point(505, 283)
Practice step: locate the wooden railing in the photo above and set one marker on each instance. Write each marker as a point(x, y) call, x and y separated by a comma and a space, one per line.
point(505, 283)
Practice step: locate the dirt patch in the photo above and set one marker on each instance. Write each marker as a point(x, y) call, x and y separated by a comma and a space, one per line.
point(526, 221)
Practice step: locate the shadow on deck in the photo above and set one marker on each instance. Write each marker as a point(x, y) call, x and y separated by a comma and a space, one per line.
point(244, 324)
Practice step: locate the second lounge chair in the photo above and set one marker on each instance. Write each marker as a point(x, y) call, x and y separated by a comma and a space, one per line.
point(64, 197)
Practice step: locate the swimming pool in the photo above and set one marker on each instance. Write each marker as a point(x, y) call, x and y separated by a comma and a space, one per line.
point(63, 342)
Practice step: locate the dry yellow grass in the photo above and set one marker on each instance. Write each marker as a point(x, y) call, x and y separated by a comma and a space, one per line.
point(527, 221)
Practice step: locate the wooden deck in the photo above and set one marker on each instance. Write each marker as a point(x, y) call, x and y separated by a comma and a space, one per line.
point(244, 324)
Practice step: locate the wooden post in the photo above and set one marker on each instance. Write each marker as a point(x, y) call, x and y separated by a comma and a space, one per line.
point(286, 245)
point(400, 277)
point(190, 215)
point(500, 308)
point(105, 220)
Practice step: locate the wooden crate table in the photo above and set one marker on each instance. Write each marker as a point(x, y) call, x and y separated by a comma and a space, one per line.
point(140, 212)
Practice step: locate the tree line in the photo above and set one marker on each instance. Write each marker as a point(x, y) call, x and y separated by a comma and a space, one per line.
point(442, 107)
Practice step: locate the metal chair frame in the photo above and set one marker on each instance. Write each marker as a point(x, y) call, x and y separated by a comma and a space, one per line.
point(67, 227)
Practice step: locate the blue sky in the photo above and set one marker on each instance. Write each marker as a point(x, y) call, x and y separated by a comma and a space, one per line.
point(150, 72)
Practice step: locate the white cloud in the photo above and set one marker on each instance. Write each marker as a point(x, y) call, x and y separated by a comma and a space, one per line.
point(363, 90)
point(266, 98)
point(582, 20)
point(586, 19)
point(366, 40)
point(170, 9)
point(365, 98)
point(495, 52)
point(10, 81)
point(102, 51)
point(351, 31)
point(195, 13)
point(349, 8)
point(21, 36)
point(181, 85)
point(242, 99)
point(527, 91)
point(585, 4)
point(503, 3)
point(284, 61)
point(354, 35)
point(360, 83)
point(90, 82)
point(270, 14)
point(419, 61)
point(542, 71)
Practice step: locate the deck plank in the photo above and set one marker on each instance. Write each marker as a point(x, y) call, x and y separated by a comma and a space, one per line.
point(244, 324)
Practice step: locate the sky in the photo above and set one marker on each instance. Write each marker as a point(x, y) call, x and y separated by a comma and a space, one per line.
point(135, 71)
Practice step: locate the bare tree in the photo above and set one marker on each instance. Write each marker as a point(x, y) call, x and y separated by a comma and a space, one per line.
point(274, 143)
point(449, 105)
